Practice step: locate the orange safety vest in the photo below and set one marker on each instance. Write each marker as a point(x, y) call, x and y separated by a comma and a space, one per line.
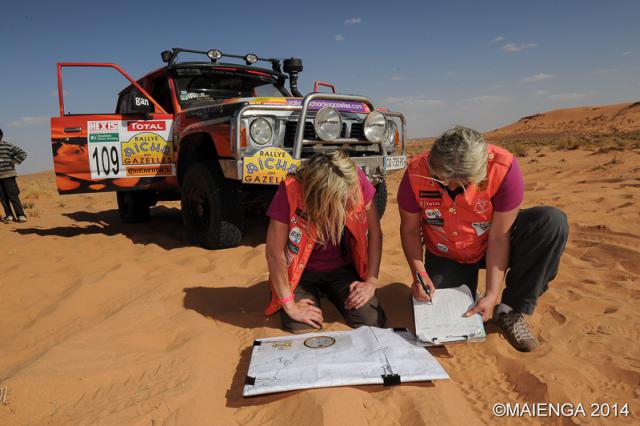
point(457, 229)
point(302, 239)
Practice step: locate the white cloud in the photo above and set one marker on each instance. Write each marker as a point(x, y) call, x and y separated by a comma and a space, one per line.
point(517, 47)
point(497, 39)
point(29, 121)
point(414, 102)
point(54, 93)
point(542, 92)
point(396, 77)
point(339, 38)
point(354, 20)
point(537, 77)
point(626, 52)
point(486, 99)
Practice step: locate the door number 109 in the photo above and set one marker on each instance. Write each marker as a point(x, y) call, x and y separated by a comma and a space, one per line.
point(107, 160)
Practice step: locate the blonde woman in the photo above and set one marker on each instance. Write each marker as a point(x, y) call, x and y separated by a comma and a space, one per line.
point(324, 238)
point(462, 200)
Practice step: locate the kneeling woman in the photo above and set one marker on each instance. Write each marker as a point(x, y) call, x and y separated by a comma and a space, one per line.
point(324, 237)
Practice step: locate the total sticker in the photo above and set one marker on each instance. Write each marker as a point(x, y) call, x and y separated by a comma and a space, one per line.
point(442, 247)
point(433, 213)
point(295, 235)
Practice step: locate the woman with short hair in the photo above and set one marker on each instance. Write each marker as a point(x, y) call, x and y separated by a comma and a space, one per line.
point(462, 201)
point(324, 237)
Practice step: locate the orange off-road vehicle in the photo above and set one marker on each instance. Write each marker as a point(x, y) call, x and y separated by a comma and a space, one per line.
point(217, 136)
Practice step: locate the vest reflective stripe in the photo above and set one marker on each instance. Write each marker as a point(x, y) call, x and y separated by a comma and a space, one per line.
point(457, 229)
point(302, 241)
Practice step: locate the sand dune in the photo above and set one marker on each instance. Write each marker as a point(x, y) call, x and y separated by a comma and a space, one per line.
point(105, 323)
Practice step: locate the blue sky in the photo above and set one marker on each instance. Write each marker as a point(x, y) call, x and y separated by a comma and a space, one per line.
point(483, 64)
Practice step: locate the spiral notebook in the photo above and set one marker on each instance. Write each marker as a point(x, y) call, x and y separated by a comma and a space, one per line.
point(442, 320)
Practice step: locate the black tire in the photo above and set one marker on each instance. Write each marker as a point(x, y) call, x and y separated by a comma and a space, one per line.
point(134, 206)
point(212, 210)
point(380, 199)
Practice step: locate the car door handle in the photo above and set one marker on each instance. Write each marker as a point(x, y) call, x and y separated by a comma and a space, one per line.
point(72, 129)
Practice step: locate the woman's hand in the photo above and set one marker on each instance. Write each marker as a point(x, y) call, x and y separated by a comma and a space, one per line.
point(304, 311)
point(418, 293)
point(360, 292)
point(483, 306)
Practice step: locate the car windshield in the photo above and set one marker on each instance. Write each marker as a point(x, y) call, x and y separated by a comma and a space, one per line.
point(200, 86)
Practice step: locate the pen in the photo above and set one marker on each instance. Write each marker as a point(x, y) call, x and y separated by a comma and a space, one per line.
point(424, 285)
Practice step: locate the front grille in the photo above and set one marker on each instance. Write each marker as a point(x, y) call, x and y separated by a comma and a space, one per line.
point(357, 131)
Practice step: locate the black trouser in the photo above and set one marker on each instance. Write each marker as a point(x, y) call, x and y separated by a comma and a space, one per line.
point(335, 285)
point(538, 238)
point(9, 193)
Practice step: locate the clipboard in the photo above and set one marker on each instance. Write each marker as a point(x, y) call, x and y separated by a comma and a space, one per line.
point(454, 302)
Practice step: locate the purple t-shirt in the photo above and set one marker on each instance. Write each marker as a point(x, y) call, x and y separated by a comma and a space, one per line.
point(508, 197)
point(327, 257)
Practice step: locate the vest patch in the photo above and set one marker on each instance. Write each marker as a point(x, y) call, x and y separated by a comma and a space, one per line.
point(426, 204)
point(295, 235)
point(481, 206)
point(292, 247)
point(481, 227)
point(300, 213)
point(434, 222)
point(442, 247)
point(290, 256)
point(430, 194)
point(432, 213)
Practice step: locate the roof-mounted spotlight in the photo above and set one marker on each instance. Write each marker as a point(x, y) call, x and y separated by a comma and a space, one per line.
point(214, 54)
point(251, 59)
point(166, 56)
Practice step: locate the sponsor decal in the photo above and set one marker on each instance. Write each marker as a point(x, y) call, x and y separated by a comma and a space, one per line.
point(146, 126)
point(104, 137)
point(435, 222)
point(430, 194)
point(294, 219)
point(300, 213)
point(159, 170)
point(295, 235)
point(280, 345)
point(442, 247)
point(481, 227)
point(346, 106)
point(290, 256)
point(147, 148)
point(432, 213)
point(268, 166)
point(103, 126)
point(426, 204)
point(140, 101)
point(292, 247)
point(481, 206)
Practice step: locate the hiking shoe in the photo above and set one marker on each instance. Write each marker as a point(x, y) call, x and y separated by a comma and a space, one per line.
point(8, 219)
point(516, 330)
point(22, 219)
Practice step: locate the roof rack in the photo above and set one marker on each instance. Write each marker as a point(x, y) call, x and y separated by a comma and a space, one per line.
point(171, 57)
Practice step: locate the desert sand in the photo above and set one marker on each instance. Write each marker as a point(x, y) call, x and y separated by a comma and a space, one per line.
point(105, 323)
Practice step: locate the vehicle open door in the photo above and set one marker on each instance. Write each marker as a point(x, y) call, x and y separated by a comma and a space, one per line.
point(113, 152)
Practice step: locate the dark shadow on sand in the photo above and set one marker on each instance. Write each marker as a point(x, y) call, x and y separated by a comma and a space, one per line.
point(164, 229)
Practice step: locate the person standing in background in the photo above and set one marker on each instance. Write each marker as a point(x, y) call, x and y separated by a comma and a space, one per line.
point(10, 155)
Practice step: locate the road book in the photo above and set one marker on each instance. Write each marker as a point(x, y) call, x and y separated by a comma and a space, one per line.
point(442, 320)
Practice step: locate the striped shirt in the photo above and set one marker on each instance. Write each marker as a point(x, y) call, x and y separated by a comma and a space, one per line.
point(10, 155)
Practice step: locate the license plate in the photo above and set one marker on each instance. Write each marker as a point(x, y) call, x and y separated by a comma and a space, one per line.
point(395, 162)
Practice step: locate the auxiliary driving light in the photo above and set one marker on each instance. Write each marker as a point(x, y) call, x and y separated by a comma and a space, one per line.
point(327, 124)
point(261, 131)
point(214, 54)
point(251, 59)
point(375, 127)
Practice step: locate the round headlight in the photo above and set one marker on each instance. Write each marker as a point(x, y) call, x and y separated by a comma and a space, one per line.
point(214, 54)
point(328, 124)
point(261, 131)
point(375, 127)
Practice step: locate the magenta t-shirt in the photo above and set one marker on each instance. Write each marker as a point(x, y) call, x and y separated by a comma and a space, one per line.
point(327, 257)
point(509, 195)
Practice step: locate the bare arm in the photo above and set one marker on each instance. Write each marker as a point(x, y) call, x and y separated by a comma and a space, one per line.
point(411, 237)
point(361, 292)
point(303, 310)
point(497, 260)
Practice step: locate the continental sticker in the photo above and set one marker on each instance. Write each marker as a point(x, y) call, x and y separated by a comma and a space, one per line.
point(268, 166)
